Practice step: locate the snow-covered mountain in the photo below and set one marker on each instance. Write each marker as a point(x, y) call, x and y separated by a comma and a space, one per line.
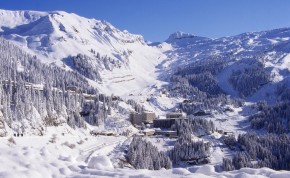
point(118, 62)
point(91, 76)
point(56, 36)
point(237, 53)
point(126, 64)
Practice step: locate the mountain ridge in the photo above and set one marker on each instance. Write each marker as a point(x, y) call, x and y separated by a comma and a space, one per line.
point(57, 36)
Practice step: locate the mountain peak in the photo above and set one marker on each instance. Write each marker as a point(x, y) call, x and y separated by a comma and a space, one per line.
point(177, 36)
point(180, 35)
point(58, 34)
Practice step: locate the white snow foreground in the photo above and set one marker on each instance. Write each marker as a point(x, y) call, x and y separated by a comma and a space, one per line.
point(73, 156)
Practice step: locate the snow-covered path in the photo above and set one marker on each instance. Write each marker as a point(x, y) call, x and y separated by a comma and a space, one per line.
point(101, 149)
point(42, 157)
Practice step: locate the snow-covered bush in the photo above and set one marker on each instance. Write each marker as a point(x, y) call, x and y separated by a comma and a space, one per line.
point(197, 82)
point(84, 65)
point(230, 140)
point(34, 95)
point(11, 141)
point(273, 118)
point(143, 155)
point(248, 80)
point(194, 152)
point(269, 150)
point(101, 163)
point(70, 145)
point(196, 126)
point(53, 138)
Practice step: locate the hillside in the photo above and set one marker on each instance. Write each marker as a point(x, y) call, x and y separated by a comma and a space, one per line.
point(81, 88)
point(117, 59)
point(58, 37)
point(265, 51)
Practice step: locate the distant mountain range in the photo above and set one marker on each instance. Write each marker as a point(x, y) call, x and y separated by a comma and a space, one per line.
point(58, 37)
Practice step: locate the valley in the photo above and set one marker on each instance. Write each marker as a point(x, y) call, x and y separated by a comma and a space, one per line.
point(70, 86)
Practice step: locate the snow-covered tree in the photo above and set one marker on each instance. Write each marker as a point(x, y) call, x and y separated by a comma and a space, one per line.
point(143, 155)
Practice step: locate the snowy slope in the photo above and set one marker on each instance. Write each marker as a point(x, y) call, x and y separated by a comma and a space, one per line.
point(59, 34)
point(79, 155)
point(190, 48)
point(271, 48)
point(53, 36)
point(143, 68)
point(11, 19)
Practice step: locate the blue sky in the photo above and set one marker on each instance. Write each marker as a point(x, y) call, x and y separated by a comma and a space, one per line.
point(157, 19)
